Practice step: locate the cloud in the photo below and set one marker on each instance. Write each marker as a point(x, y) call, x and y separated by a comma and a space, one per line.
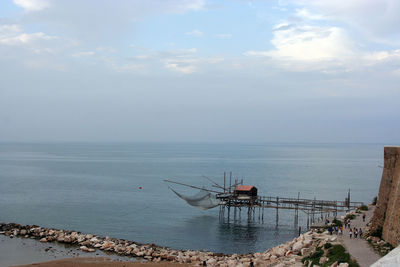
point(224, 36)
point(185, 66)
point(195, 33)
point(32, 5)
point(83, 54)
point(308, 44)
point(13, 35)
point(377, 19)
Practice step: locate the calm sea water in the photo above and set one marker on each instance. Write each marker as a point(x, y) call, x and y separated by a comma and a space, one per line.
point(94, 188)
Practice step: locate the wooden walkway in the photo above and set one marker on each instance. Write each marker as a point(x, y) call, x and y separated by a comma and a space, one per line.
point(313, 208)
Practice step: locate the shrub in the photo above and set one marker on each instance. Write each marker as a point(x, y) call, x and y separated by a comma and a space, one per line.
point(327, 245)
point(338, 253)
point(337, 222)
point(315, 257)
point(364, 207)
point(350, 216)
point(377, 232)
point(374, 201)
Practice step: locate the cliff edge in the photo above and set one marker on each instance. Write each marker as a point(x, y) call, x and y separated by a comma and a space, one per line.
point(386, 217)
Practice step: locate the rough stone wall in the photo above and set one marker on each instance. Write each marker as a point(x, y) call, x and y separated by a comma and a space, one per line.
point(387, 212)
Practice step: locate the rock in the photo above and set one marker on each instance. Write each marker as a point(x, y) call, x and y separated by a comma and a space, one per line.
point(322, 260)
point(333, 239)
point(273, 257)
point(23, 232)
point(343, 264)
point(297, 246)
point(170, 258)
point(279, 252)
point(43, 239)
point(307, 243)
point(84, 248)
point(305, 251)
point(335, 264)
point(91, 250)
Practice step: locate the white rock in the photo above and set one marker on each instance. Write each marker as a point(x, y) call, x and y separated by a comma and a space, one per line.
point(344, 264)
point(307, 243)
point(279, 252)
point(297, 246)
point(83, 248)
point(43, 239)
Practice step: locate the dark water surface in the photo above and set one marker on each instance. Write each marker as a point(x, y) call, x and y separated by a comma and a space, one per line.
point(94, 188)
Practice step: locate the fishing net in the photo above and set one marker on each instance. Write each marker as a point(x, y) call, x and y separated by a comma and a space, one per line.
point(203, 199)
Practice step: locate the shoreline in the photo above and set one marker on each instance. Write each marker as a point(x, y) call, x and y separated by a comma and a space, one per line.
point(290, 253)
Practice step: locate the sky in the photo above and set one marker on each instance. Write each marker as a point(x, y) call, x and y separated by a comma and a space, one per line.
point(210, 71)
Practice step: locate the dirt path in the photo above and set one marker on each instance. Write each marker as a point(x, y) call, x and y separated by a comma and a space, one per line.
point(358, 248)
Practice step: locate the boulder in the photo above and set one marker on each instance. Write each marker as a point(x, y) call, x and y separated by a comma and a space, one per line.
point(344, 264)
point(305, 251)
point(297, 246)
point(307, 243)
point(279, 252)
point(43, 239)
point(84, 248)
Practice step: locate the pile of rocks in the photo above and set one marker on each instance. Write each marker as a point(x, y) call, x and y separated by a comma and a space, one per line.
point(288, 254)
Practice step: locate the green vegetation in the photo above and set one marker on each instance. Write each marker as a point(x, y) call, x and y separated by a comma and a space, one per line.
point(337, 222)
point(377, 232)
point(335, 253)
point(338, 253)
point(364, 207)
point(314, 258)
point(374, 201)
point(350, 216)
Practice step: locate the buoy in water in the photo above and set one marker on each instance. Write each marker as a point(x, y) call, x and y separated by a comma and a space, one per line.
point(140, 187)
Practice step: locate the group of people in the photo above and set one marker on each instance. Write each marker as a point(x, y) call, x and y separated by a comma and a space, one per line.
point(335, 229)
point(338, 230)
point(356, 232)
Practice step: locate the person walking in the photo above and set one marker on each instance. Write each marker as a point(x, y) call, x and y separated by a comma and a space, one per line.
point(355, 231)
point(350, 233)
point(360, 232)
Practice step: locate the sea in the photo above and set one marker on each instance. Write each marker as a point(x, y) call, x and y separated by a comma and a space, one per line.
point(118, 189)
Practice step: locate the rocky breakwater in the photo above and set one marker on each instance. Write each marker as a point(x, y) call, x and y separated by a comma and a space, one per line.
point(289, 254)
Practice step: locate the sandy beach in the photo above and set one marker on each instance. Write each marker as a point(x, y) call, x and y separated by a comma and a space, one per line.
point(20, 251)
point(98, 262)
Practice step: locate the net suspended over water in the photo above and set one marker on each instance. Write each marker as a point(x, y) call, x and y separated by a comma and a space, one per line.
point(203, 199)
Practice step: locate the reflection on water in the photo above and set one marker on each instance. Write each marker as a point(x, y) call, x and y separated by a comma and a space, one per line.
point(235, 236)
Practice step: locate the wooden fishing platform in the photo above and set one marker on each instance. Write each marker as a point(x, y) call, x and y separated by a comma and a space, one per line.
point(236, 196)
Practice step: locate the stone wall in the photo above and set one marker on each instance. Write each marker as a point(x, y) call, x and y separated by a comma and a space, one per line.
point(387, 212)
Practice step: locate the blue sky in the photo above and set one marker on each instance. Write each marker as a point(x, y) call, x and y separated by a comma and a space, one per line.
point(200, 71)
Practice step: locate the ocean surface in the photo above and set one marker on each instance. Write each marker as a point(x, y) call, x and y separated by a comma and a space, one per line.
point(95, 188)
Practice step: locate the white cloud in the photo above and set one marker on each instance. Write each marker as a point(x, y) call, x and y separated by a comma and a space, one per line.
point(308, 44)
point(306, 14)
point(13, 35)
point(32, 5)
point(195, 33)
point(378, 19)
point(224, 36)
point(184, 66)
point(83, 54)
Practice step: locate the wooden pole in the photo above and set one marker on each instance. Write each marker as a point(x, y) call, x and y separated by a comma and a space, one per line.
point(224, 182)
